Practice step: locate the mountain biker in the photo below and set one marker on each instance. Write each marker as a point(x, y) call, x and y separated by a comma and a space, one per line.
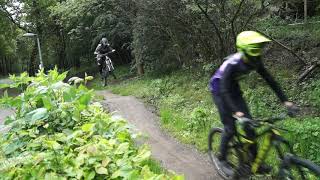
point(228, 97)
point(103, 48)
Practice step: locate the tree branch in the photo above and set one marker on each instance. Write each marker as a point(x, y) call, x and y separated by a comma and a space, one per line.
point(9, 16)
point(216, 29)
point(235, 18)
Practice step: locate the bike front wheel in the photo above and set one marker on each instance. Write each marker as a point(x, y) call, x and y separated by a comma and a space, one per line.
point(295, 168)
point(214, 141)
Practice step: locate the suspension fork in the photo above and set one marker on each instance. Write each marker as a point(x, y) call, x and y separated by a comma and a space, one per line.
point(262, 153)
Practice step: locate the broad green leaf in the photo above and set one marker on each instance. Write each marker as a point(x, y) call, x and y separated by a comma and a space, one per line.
point(41, 90)
point(88, 127)
point(102, 170)
point(53, 176)
point(123, 136)
point(47, 103)
point(80, 159)
point(59, 85)
point(53, 144)
point(85, 99)
point(105, 162)
point(62, 76)
point(89, 175)
point(40, 113)
point(143, 155)
point(92, 149)
point(124, 172)
point(134, 175)
point(122, 148)
point(146, 173)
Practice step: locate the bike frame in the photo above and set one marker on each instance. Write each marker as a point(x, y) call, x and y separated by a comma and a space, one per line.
point(272, 138)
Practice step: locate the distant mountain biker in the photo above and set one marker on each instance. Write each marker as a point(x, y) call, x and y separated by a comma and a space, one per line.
point(101, 50)
point(228, 97)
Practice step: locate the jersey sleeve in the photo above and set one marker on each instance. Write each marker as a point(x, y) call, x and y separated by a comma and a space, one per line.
point(97, 51)
point(272, 83)
point(225, 87)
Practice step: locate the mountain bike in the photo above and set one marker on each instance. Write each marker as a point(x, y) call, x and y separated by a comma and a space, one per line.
point(290, 166)
point(107, 67)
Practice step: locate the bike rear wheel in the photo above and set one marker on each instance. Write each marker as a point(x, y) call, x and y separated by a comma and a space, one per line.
point(214, 141)
point(295, 168)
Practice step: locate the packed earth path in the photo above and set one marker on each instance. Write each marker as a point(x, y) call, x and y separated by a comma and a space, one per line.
point(173, 155)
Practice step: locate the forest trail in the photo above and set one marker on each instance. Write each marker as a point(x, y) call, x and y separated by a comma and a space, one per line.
point(172, 154)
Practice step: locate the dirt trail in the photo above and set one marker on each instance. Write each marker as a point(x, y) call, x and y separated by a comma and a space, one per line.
point(4, 113)
point(172, 155)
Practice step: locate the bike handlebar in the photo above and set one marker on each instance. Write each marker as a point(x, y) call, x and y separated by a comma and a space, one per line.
point(105, 54)
point(258, 123)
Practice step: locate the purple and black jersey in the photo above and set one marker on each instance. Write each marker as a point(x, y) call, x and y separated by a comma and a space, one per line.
point(224, 82)
point(234, 61)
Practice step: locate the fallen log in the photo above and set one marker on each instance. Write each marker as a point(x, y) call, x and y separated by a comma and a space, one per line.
point(308, 71)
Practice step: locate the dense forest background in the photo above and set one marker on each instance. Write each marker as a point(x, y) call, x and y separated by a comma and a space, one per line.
point(153, 35)
point(177, 44)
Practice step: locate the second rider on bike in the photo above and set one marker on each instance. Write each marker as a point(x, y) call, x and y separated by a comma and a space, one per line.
point(227, 95)
point(102, 49)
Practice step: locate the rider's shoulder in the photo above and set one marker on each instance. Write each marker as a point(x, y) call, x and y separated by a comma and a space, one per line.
point(232, 59)
point(235, 56)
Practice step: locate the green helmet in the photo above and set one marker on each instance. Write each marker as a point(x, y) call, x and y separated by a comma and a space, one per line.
point(250, 42)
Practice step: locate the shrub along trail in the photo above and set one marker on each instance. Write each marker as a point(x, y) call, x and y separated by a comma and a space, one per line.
point(169, 152)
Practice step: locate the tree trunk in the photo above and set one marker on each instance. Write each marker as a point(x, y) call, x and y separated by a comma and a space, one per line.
point(32, 62)
point(140, 69)
point(61, 47)
point(305, 11)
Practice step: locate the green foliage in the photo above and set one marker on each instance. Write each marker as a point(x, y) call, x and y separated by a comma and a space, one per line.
point(59, 133)
point(199, 119)
point(306, 135)
point(300, 36)
point(313, 94)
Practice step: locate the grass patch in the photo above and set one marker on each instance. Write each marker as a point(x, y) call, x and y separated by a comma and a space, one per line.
point(155, 166)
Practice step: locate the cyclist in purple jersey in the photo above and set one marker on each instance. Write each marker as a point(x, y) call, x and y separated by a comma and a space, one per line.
point(227, 94)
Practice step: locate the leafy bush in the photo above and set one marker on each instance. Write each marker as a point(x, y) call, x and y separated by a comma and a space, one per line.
point(306, 136)
point(199, 119)
point(314, 93)
point(173, 100)
point(59, 133)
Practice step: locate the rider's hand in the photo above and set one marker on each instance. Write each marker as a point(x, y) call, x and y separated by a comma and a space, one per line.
point(239, 114)
point(292, 108)
point(99, 56)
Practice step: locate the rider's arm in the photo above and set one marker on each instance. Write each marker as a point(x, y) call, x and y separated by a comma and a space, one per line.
point(225, 87)
point(272, 83)
point(97, 51)
point(110, 49)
